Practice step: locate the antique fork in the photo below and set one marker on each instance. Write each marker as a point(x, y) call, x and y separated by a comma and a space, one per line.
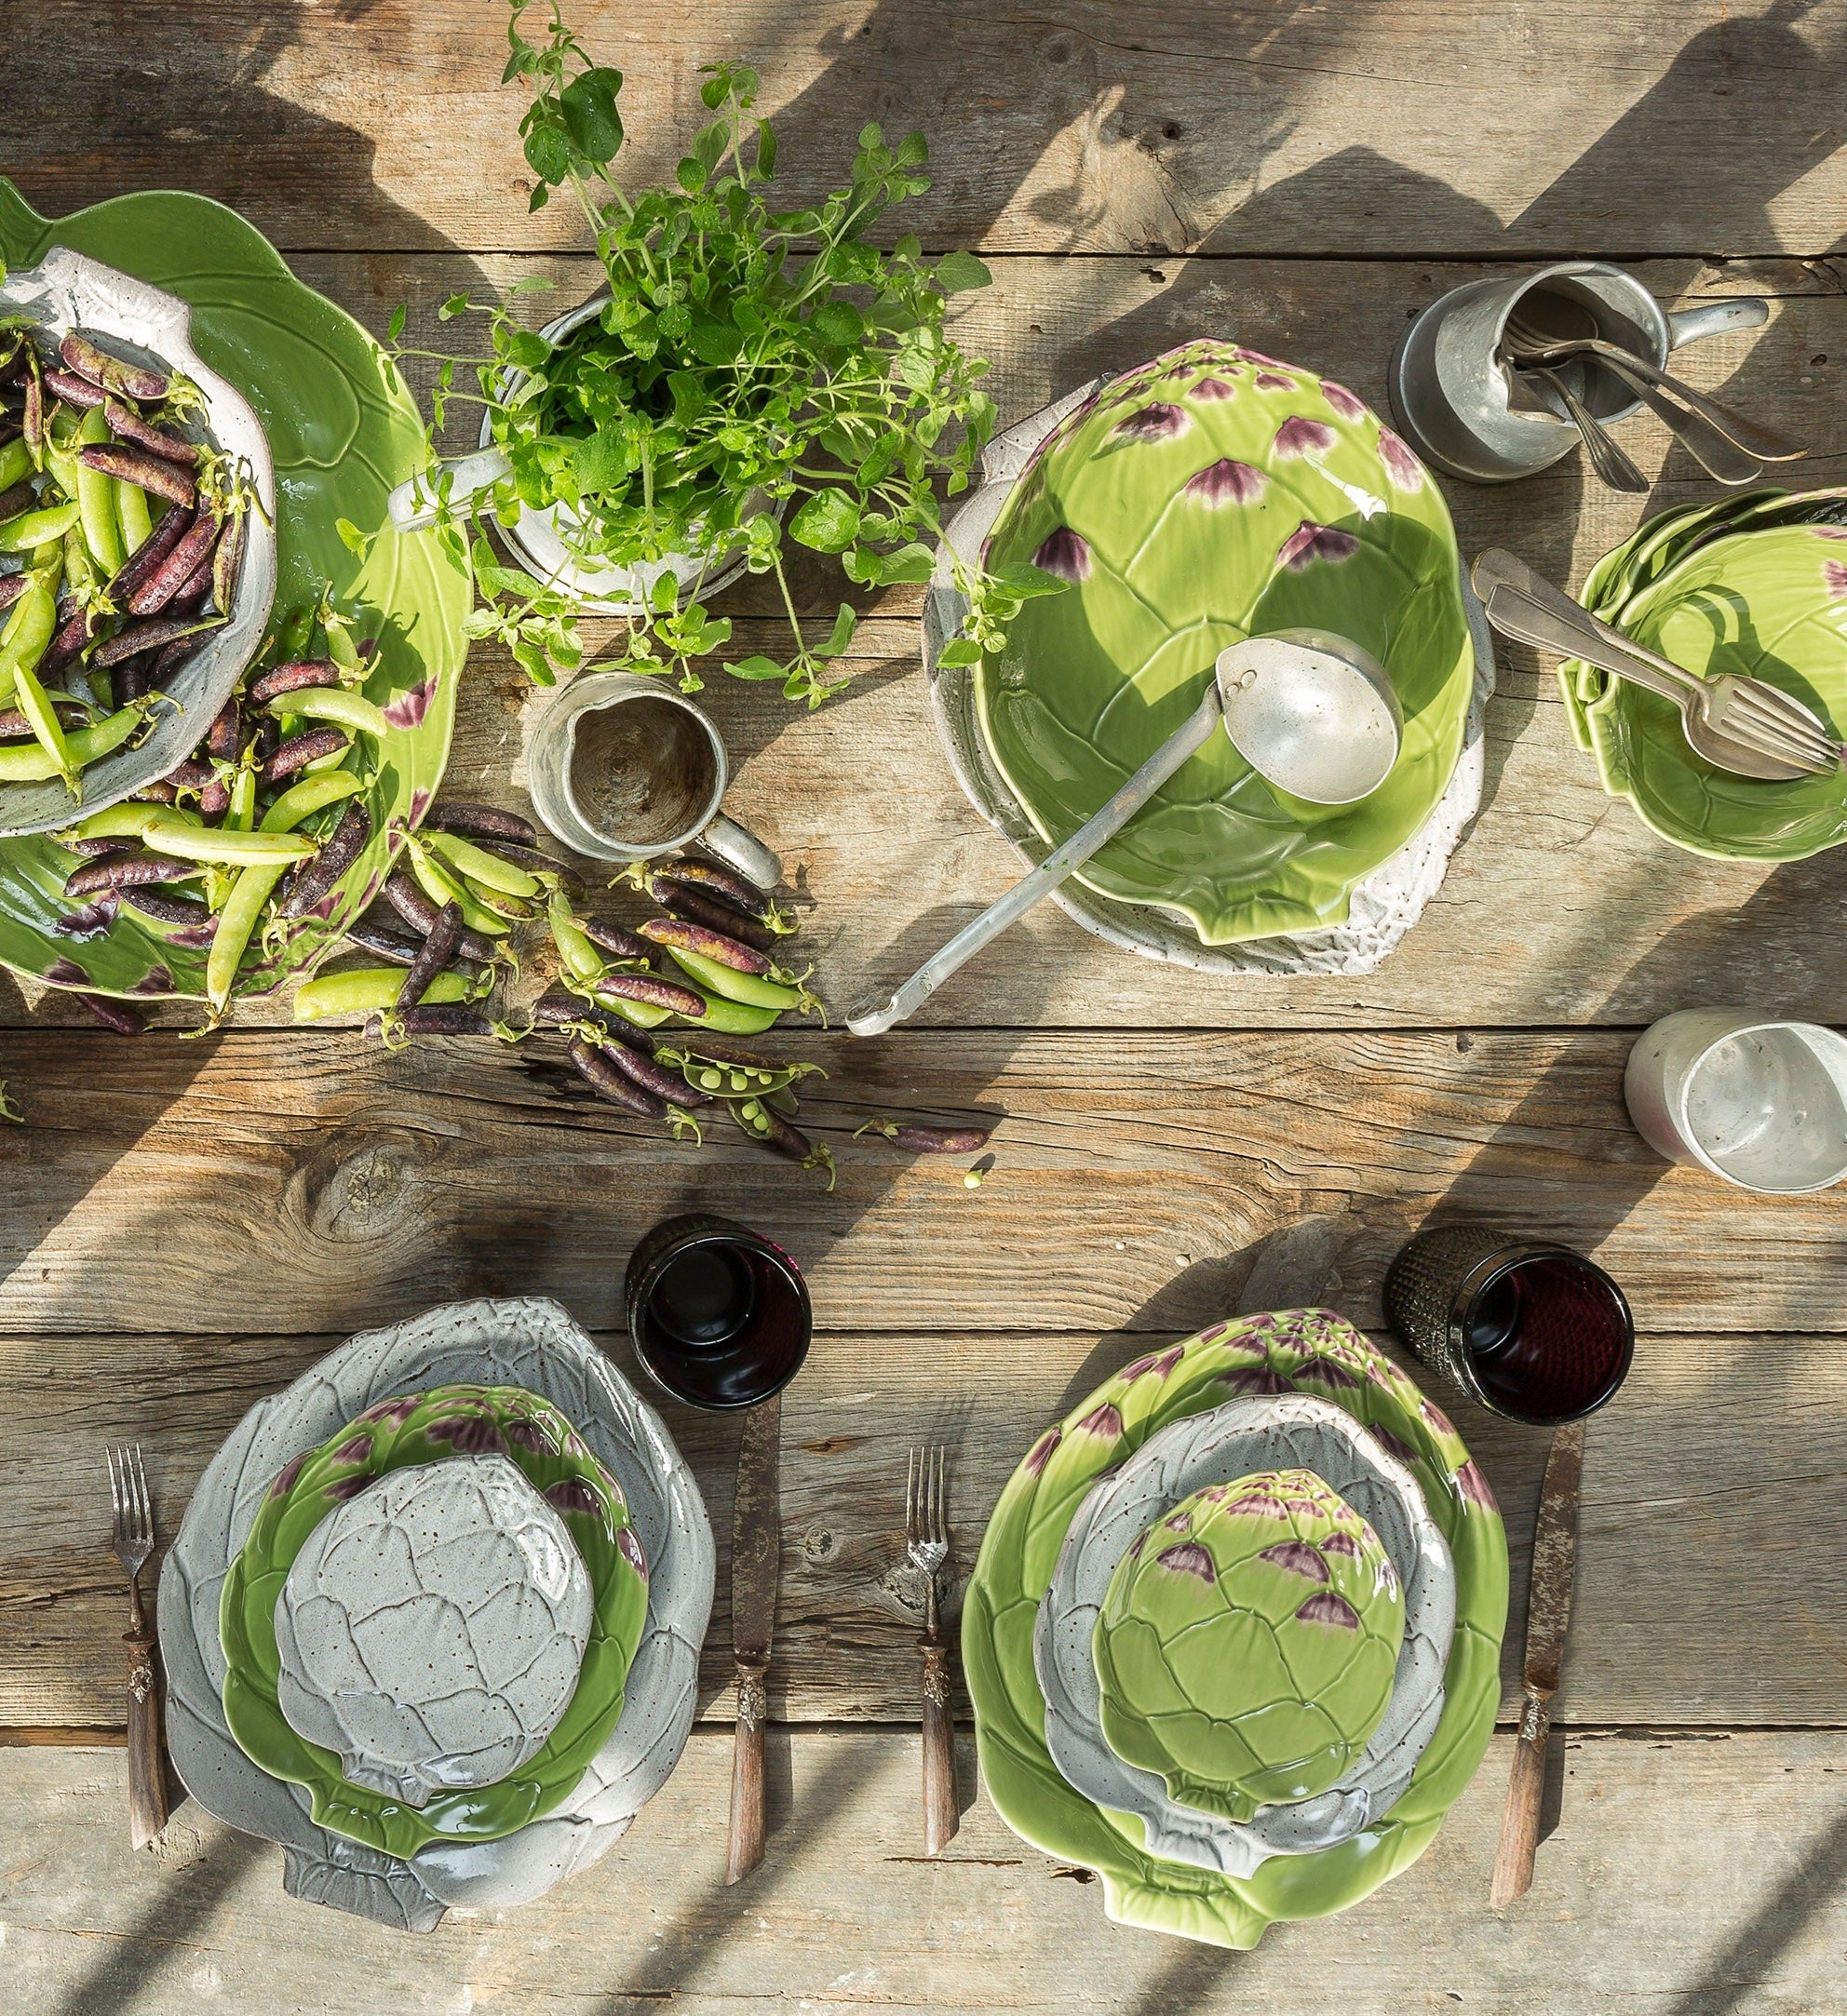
point(133, 1543)
point(926, 1540)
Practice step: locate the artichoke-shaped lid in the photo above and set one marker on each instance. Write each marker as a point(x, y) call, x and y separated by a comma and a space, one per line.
point(1247, 1647)
point(432, 1627)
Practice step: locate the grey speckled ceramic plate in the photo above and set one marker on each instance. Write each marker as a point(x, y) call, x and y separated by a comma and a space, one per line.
point(1258, 1434)
point(530, 1342)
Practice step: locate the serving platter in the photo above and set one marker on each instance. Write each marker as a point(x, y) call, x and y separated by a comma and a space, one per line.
point(342, 429)
point(531, 1343)
point(1292, 1351)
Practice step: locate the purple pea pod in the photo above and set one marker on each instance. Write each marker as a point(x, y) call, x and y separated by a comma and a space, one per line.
point(226, 735)
point(697, 909)
point(439, 949)
point(12, 587)
point(171, 573)
point(159, 792)
point(115, 1015)
point(156, 440)
point(215, 798)
point(193, 774)
point(66, 647)
point(924, 1141)
point(317, 875)
point(724, 883)
point(19, 497)
point(481, 822)
point(721, 1050)
point(113, 375)
point(656, 992)
point(150, 636)
point(444, 1018)
point(643, 1071)
point(228, 560)
point(382, 941)
point(154, 473)
point(94, 846)
point(125, 870)
point(297, 675)
point(153, 901)
point(146, 560)
point(609, 1084)
point(712, 945)
point(408, 899)
point(74, 391)
point(612, 938)
point(308, 747)
point(166, 662)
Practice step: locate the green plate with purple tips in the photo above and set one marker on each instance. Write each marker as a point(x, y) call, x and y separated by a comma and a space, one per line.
point(343, 429)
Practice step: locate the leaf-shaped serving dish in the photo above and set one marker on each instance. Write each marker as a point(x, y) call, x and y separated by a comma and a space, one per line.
point(394, 1434)
point(1209, 496)
point(343, 429)
point(1296, 1350)
point(1755, 586)
point(1216, 1447)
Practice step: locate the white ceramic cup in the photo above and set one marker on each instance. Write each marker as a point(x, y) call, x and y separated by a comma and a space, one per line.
point(1760, 1102)
point(646, 786)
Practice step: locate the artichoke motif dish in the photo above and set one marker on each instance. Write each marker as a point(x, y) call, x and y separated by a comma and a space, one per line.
point(1208, 495)
point(1207, 1451)
point(1306, 1351)
point(418, 1432)
point(1755, 584)
point(528, 1343)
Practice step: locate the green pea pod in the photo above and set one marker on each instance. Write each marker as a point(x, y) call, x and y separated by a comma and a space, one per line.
point(642, 1014)
point(96, 501)
point(28, 630)
point(37, 528)
point(370, 990)
point(124, 821)
point(132, 516)
point(751, 989)
point(169, 836)
point(333, 703)
point(43, 721)
point(581, 958)
point(481, 867)
point(440, 887)
point(241, 814)
point(15, 461)
point(732, 1017)
point(28, 763)
point(243, 907)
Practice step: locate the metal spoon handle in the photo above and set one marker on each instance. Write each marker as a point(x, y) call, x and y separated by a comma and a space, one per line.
point(1496, 568)
point(1611, 461)
point(874, 1018)
point(1715, 451)
point(1519, 615)
point(1764, 442)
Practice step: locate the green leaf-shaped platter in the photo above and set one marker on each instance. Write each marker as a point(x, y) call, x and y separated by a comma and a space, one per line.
point(1306, 1351)
point(1207, 496)
point(432, 1428)
point(343, 429)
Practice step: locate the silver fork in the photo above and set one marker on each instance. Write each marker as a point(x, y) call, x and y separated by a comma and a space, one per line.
point(927, 1540)
point(133, 1540)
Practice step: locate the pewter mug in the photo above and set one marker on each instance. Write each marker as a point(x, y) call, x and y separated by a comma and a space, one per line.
point(1460, 405)
point(660, 797)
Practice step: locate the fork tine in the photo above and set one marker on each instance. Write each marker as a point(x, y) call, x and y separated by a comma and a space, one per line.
point(1790, 735)
point(1767, 705)
point(910, 1497)
point(143, 1500)
point(1771, 738)
point(939, 1526)
point(115, 1491)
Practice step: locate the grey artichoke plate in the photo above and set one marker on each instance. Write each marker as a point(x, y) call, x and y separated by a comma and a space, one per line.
point(530, 1342)
point(67, 291)
point(1383, 906)
point(1229, 1442)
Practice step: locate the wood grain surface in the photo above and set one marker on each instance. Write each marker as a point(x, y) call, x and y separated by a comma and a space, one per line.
point(1696, 1874)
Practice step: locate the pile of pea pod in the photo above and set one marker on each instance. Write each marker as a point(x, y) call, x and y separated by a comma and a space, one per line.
point(268, 793)
point(121, 539)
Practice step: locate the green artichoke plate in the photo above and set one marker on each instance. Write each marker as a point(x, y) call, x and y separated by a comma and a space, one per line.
point(1276, 1580)
point(431, 1428)
point(343, 428)
point(1306, 1351)
point(1755, 586)
point(1208, 495)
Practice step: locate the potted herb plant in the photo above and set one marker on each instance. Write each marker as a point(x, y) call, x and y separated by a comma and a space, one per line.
point(746, 379)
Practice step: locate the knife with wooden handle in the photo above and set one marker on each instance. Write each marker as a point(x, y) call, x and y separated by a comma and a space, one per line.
point(1554, 1569)
point(756, 1559)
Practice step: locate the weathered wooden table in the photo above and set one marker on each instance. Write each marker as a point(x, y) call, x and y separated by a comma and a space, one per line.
point(186, 1224)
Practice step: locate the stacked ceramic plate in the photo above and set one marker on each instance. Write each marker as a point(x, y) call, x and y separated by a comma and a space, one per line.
point(1754, 584)
point(1211, 494)
point(432, 1621)
point(1234, 1636)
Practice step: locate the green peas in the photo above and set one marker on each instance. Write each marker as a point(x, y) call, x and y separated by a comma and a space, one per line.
point(333, 703)
point(132, 516)
point(38, 528)
point(34, 765)
point(370, 990)
point(96, 501)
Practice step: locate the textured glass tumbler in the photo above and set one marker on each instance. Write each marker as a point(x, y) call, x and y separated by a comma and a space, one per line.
point(1526, 1327)
point(718, 1314)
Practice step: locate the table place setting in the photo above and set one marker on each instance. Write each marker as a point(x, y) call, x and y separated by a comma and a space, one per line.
point(1221, 684)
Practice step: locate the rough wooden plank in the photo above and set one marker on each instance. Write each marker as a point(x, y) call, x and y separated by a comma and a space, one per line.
point(1560, 906)
point(1702, 1596)
point(1694, 1876)
point(1417, 129)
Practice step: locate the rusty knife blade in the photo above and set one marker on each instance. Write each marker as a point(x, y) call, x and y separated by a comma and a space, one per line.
point(1555, 1560)
point(755, 1532)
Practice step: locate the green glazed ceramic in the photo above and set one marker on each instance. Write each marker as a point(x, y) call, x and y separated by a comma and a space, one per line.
point(1307, 1351)
point(343, 428)
point(1247, 1647)
point(1747, 596)
point(1208, 495)
point(430, 1427)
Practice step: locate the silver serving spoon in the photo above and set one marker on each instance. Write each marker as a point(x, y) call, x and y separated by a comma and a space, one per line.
point(1312, 712)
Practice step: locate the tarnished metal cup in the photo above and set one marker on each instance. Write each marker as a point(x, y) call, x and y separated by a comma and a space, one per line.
point(1758, 1102)
point(1525, 1327)
point(1459, 404)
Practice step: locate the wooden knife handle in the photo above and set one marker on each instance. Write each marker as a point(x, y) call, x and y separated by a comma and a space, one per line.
point(1525, 1790)
point(147, 1771)
point(743, 1850)
point(942, 1809)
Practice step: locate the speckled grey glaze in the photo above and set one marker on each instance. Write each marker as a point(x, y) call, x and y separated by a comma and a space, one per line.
point(431, 1628)
point(1285, 1431)
point(533, 1343)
